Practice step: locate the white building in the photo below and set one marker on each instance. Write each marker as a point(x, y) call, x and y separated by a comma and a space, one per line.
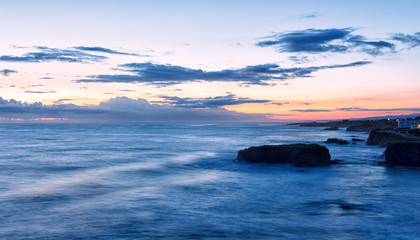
point(416, 125)
point(408, 123)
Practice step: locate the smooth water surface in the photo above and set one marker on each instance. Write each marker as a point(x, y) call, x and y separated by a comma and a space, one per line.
point(181, 181)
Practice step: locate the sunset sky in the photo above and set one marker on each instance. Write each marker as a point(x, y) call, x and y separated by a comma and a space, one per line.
point(158, 61)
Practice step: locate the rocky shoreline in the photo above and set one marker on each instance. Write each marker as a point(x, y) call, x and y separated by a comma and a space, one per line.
point(352, 125)
point(402, 146)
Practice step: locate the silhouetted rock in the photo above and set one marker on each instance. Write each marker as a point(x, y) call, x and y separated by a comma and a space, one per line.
point(357, 140)
point(336, 140)
point(331, 128)
point(383, 137)
point(299, 155)
point(403, 154)
point(346, 207)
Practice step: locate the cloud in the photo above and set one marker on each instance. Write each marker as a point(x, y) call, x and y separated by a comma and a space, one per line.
point(310, 110)
point(310, 15)
point(410, 40)
point(45, 54)
point(359, 109)
point(334, 40)
point(305, 16)
point(159, 74)
point(107, 50)
point(7, 72)
point(39, 91)
point(126, 90)
point(210, 102)
point(120, 110)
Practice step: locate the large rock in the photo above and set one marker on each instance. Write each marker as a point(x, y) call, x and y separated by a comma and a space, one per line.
point(403, 154)
point(384, 137)
point(299, 155)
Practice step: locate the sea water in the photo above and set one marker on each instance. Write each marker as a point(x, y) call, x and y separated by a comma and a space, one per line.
point(181, 181)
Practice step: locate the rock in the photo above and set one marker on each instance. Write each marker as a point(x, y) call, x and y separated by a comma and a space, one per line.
point(331, 128)
point(346, 207)
point(336, 161)
point(403, 154)
point(357, 140)
point(384, 137)
point(336, 140)
point(299, 155)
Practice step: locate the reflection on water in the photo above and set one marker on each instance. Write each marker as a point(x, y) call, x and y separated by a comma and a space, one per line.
point(182, 182)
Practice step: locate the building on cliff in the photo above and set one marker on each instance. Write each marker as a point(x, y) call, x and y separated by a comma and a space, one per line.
point(408, 123)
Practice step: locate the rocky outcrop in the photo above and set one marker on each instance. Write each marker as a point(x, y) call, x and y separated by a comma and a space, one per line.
point(357, 140)
point(336, 140)
point(331, 128)
point(383, 137)
point(403, 154)
point(299, 155)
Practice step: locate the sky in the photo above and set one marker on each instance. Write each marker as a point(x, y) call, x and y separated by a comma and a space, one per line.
point(208, 61)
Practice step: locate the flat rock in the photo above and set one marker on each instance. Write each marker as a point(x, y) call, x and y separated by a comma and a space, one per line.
point(299, 155)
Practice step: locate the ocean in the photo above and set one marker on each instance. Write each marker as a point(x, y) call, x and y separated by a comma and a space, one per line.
point(182, 181)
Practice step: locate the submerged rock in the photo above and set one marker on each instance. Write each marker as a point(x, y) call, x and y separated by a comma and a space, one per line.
point(336, 140)
point(403, 154)
point(299, 155)
point(346, 206)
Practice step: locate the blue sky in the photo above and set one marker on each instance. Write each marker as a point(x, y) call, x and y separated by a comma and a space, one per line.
point(264, 60)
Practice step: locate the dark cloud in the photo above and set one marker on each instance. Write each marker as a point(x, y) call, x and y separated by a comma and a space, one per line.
point(159, 74)
point(7, 72)
point(325, 40)
point(299, 59)
point(46, 54)
point(410, 40)
point(126, 90)
point(278, 103)
point(61, 100)
point(210, 102)
point(122, 110)
point(39, 91)
point(359, 109)
point(373, 48)
point(311, 110)
point(107, 50)
point(306, 16)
